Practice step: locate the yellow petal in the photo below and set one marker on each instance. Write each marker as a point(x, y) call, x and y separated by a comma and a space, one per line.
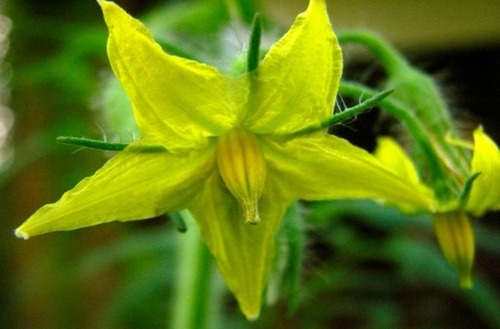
point(485, 193)
point(243, 252)
point(456, 239)
point(318, 167)
point(392, 155)
point(296, 84)
point(176, 101)
point(132, 185)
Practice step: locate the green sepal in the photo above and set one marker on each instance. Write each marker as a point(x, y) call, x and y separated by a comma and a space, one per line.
point(92, 143)
point(245, 8)
point(347, 113)
point(178, 222)
point(107, 146)
point(464, 194)
point(254, 45)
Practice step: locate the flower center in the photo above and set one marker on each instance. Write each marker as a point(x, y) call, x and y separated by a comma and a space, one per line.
point(243, 169)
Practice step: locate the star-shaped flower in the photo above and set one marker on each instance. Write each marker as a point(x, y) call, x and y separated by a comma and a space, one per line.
point(226, 149)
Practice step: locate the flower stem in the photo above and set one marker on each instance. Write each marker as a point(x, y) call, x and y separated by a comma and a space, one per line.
point(390, 59)
point(196, 299)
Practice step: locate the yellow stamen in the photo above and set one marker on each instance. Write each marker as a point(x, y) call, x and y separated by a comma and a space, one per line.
point(243, 169)
point(456, 239)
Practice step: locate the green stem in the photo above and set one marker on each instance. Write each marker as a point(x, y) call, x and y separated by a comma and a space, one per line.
point(437, 172)
point(388, 56)
point(195, 307)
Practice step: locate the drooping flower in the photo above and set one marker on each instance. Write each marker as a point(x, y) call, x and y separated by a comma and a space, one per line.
point(462, 184)
point(451, 223)
point(225, 148)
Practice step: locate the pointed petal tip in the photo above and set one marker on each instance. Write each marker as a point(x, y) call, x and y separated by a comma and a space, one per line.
point(21, 234)
point(109, 8)
point(251, 315)
point(319, 4)
point(250, 304)
point(103, 3)
point(312, 2)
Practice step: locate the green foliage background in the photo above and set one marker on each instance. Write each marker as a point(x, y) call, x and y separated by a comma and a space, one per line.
point(364, 266)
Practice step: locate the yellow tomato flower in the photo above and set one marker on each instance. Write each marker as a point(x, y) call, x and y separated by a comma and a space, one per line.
point(222, 149)
point(451, 224)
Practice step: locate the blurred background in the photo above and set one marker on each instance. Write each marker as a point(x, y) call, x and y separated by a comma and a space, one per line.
point(364, 266)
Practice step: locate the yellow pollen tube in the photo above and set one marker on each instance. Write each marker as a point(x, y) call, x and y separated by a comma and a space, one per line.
point(242, 167)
